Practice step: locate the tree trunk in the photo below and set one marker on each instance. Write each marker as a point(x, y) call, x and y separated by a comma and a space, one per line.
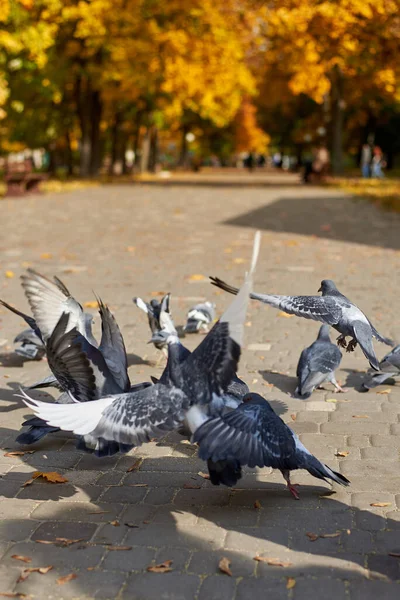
point(145, 152)
point(96, 113)
point(338, 106)
point(114, 142)
point(183, 155)
point(153, 154)
point(69, 154)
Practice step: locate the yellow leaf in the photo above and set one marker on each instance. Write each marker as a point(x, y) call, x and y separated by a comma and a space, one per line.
point(25, 559)
point(342, 453)
point(387, 391)
point(46, 255)
point(360, 417)
point(9, 274)
point(257, 504)
point(333, 400)
point(196, 277)
point(130, 249)
point(285, 315)
point(274, 562)
point(224, 565)
point(293, 416)
point(239, 261)
point(291, 582)
point(51, 476)
point(381, 504)
point(90, 304)
point(66, 578)
point(312, 536)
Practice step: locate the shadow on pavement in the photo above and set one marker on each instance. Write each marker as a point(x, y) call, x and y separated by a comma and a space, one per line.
point(335, 217)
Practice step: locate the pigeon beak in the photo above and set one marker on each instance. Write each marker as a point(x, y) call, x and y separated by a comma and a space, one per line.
point(320, 289)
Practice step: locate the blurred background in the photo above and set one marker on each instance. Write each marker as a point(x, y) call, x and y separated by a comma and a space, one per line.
point(118, 87)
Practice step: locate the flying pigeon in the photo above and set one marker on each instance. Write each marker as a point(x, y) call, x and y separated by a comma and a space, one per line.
point(185, 396)
point(199, 317)
point(388, 367)
point(332, 308)
point(31, 340)
point(255, 436)
point(159, 318)
point(317, 364)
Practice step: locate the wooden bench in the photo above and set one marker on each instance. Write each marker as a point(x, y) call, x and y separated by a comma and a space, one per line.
point(21, 179)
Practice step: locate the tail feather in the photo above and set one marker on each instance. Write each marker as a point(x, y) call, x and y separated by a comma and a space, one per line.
point(321, 471)
point(225, 472)
point(35, 433)
point(224, 286)
point(382, 339)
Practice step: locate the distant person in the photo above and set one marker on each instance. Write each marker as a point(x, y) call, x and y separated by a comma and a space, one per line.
point(261, 161)
point(308, 165)
point(365, 163)
point(249, 162)
point(378, 163)
point(277, 160)
point(321, 162)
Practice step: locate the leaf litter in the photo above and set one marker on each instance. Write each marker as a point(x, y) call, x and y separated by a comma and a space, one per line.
point(164, 567)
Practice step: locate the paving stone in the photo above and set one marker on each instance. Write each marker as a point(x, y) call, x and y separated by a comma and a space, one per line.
point(124, 495)
point(385, 565)
point(385, 441)
point(170, 586)
point(17, 529)
point(206, 562)
point(110, 478)
point(55, 529)
point(202, 497)
point(323, 587)
point(77, 511)
point(77, 556)
point(162, 495)
point(216, 587)
point(16, 509)
point(168, 534)
point(368, 590)
point(262, 587)
point(383, 453)
point(356, 426)
point(136, 559)
point(365, 499)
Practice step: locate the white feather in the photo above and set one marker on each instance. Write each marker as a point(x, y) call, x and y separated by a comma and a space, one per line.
point(80, 418)
point(235, 314)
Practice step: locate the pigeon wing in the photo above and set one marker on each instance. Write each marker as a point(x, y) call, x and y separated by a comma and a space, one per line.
point(112, 347)
point(363, 335)
point(29, 320)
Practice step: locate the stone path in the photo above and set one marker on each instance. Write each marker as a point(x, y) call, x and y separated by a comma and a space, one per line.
point(146, 239)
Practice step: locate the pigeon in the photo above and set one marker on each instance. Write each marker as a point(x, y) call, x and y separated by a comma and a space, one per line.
point(199, 317)
point(332, 308)
point(185, 396)
point(79, 377)
point(31, 347)
point(157, 313)
point(388, 367)
point(255, 436)
point(317, 364)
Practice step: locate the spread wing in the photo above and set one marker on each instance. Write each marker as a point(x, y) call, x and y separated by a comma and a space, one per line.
point(112, 347)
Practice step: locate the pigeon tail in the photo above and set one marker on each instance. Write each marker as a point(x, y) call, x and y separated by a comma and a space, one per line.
point(102, 448)
point(225, 472)
point(362, 334)
point(298, 394)
point(382, 339)
point(321, 471)
point(35, 432)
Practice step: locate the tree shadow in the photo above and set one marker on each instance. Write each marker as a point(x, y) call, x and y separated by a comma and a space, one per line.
point(335, 217)
point(164, 510)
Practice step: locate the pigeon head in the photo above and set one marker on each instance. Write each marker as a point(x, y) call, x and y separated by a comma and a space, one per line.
point(327, 287)
point(163, 337)
point(323, 333)
point(154, 303)
point(257, 399)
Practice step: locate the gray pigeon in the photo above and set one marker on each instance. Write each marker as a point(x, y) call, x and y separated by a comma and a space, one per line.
point(184, 397)
point(31, 347)
point(255, 436)
point(332, 308)
point(388, 367)
point(160, 320)
point(199, 317)
point(317, 364)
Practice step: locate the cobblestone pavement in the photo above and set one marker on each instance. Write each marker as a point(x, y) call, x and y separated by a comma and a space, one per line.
point(129, 240)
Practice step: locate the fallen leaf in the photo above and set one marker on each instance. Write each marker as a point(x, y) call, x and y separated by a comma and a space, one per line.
point(254, 381)
point(66, 578)
point(13, 595)
point(135, 466)
point(63, 542)
point(312, 536)
point(99, 512)
point(293, 416)
point(333, 400)
point(24, 575)
point(285, 315)
point(90, 304)
point(239, 261)
point(329, 535)
point(196, 277)
point(130, 249)
point(157, 293)
point(119, 548)
point(360, 417)
point(46, 255)
point(115, 523)
point(257, 504)
point(19, 453)
point(139, 485)
point(190, 486)
point(274, 562)
point(228, 250)
point(342, 453)
point(325, 227)
point(164, 567)
point(381, 504)
point(25, 559)
point(90, 568)
point(394, 554)
point(51, 476)
point(9, 274)
point(26, 572)
point(132, 525)
point(203, 475)
point(387, 391)
point(224, 565)
point(290, 583)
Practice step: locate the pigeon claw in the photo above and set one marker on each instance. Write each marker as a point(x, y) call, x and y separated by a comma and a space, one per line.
point(292, 487)
point(351, 346)
point(341, 341)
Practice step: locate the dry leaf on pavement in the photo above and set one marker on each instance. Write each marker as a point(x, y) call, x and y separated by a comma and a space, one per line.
point(190, 486)
point(257, 504)
point(135, 466)
point(115, 523)
point(119, 547)
point(164, 567)
point(360, 417)
point(285, 315)
point(19, 453)
point(66, 578)
point(342, 453)
point(394, 554)
point(90, 304)
point(381, 504)
point(13, 595)
point(203, 475)
point(9, 274)
point(329, 535)
point(25, 559)
point(312, 536)
point(196, 277)
point(290, 583)
point(387, 391)
point(51, 476)
point(224, 565)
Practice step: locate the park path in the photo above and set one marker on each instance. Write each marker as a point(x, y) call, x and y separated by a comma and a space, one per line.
point(145, 239)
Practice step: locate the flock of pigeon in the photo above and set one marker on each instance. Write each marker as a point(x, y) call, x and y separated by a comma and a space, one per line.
point(198, 394)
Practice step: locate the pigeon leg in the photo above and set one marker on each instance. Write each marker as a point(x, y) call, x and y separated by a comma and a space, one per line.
point(341, 341)
point(291, 486)
point(338, 388)
point(351, 346)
